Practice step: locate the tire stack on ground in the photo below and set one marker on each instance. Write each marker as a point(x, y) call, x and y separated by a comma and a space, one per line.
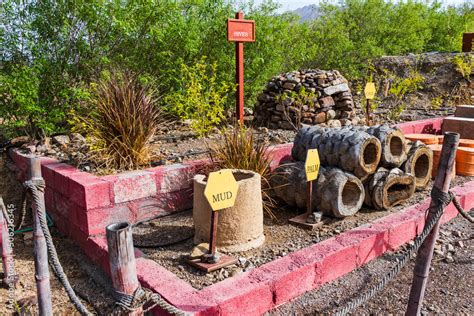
point(371, 165)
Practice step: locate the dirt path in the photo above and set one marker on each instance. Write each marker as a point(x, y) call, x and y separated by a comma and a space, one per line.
point(449, 288)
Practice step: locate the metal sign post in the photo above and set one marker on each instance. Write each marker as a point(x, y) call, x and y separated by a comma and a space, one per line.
point(220, 192)
point(369, 92)
point(311, 167)
point(240, 31)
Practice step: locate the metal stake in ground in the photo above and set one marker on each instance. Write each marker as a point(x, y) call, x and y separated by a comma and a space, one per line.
point(425, 253)
point(123, 269)
point(213, 236)
point(312, 164)
point(369, 92)
point(43, 286)
point(240, 31)
point(221, 192)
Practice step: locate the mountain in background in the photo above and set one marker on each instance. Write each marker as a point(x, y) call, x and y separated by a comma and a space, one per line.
point(308, 12)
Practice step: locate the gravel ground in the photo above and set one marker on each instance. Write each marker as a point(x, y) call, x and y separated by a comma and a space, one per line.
point(91, 284)
point(281, 239)
point(449, 290)
point(73, 261)
point(167, 147)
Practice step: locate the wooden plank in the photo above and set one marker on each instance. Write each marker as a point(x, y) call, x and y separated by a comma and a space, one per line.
point(463, 126)
point(464, 111)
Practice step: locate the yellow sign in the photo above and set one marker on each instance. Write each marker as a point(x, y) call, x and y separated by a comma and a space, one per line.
point(221, 189)
point(312, 164)
point(369, 90)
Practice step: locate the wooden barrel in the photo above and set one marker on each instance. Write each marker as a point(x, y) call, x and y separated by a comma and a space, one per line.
point(465, 161)
point(436, 154)
point(465, 142)
point(428, 139)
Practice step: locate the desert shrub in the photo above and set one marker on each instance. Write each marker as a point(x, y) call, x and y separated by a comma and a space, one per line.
point(402, 86)
point(65, 44)
point(19, 107)
point(239, 148)
point(464, 65)
point(201, 98)
point(300, 101)
point(123, 118)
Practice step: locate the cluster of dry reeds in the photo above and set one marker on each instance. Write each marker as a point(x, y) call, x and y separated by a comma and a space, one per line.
point(124, 118)
point(240, 148)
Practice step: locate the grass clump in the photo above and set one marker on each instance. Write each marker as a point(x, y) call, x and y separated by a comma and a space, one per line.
point(239, 148)
point(121, 123)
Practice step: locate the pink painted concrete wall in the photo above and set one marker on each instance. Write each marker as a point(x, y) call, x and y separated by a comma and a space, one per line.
point(82, 204)
point(428, 126)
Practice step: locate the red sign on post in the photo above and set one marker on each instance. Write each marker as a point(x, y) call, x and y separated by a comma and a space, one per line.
point(240, 31)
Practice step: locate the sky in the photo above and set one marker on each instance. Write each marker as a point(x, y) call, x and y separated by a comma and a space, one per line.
point(295, 4)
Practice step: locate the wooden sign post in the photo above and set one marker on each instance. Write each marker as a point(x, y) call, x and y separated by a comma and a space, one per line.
point(240, 31)
point(369, 92)
point(311, 167)
point(220, 192)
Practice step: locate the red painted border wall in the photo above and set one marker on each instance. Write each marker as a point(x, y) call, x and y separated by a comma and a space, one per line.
point(83, 204)
point(428, 126)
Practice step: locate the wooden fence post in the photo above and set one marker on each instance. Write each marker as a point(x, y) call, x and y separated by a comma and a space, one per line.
point(425, 253)
point(122, 260)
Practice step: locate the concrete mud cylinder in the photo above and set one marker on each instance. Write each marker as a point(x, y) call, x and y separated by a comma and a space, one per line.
point(240, 227)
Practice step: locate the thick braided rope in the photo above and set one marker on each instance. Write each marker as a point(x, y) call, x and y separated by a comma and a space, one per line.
point(130, 303)
point(36, 187)
point(440, 200)
point(21, 219)
point(461, 211)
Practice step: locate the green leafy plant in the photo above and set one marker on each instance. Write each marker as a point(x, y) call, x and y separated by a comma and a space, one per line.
point(201, 98)
point(239, 148)
point(396, 111)
point(295, 103)
point(464, 65)
point(436, 102)
point(403, 86)
point(123, 118)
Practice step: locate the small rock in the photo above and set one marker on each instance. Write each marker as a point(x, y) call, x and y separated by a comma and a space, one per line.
point(18, 141)
point(31, 149)
point(28, 238)
point(331, 114)
point(199, 250)
point(77, 138)
point(449, 258)
point(450, 248)
point(314, 217)
point(334, 123)
point(460, 244)
point(235, 272)
point(62, 140)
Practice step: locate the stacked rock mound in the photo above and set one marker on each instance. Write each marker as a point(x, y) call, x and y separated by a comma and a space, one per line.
point(371, 165)
point(331, 103)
